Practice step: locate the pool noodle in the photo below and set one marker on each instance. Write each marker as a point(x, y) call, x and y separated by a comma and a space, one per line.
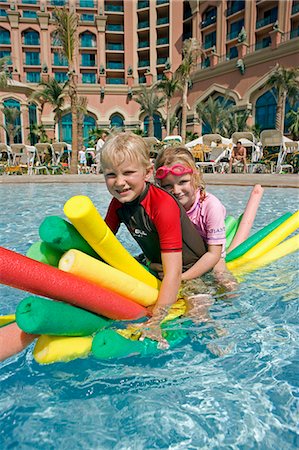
point(229, 224)
point(63, 236)
point(24, 273)
point(248, 217)
point(5, 320)
point(50, 349)
point(269, 242)
point(285, 248)
point(100, 273)
point(232, 233)
point(13, 340)
point(44, 253)
point(42, 316)
point(82, 213)
point(255, 238)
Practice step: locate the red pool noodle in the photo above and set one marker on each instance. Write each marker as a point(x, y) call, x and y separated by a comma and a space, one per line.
point(13, 340)
point(29, 275)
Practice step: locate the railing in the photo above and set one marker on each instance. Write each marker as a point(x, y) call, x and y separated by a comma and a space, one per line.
point(161, 2)
point(59, 60)
point(295, 8)
point(114, 46)
point(115, 65)
point(86, 3)
point(265, 21)
point(209, 44)
point(161, 61)
point(162, 20)
point(144, 4)
point(209, 21)
point(145, 63)
point(31, 41)
point(114, 27)
point(3, 13)
point(61, 77)
point(238, 6)
point(29, 2)
point(88, 78)
point(87, 17)
point(144, 24)
point(58, 2)
point(115, 80)
point(29, 14)
point(141, 80)
point(33, 77)
point(162, 41)
point(294, 33)
point(143, 44)
point(232, 35)
point(263, 44)
point(88, 43)
point(114, 8)
point(205, 63)
point(5, 40)
point(32, 61)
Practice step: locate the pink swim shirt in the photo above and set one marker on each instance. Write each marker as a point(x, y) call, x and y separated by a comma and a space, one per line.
point(208, 217)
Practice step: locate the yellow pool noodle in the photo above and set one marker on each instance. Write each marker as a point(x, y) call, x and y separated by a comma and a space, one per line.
point(84, 216)
point(5, 320)
point(50, 349)
point(284, 249)
point(268, 243)
point(89, 268)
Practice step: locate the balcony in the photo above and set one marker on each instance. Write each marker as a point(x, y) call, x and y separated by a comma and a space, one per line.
point(33, 77)
point(89, 78)
point(162, 41)
point(271, 18)
point(88, 43)
point(5, 39)
point(114, 65)
point(114, 46)
point(87, 17)
point(142, 5)
point(58, 2)
point(29, 2)
point(32, 60)
point(161, 2)
point(29, 14)
point(163, 21)
point(31, 41)
point(294, 33)
point(144, 63)
point(209, 21)
point(141, 80)
point(88, 60)
point(237, 6)
point(295, 8)
point(232, 35)
point(114, 8)
point(144, 24)
point(143, 44)
point(205, 63)
point(115, 80)
point(161, 61)
point(263, 44)
point(86, 4)
point(61, 77)
point(209, 44)
point(114, 27)
point(59, 60)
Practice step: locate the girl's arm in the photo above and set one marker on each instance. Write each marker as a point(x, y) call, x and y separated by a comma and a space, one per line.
point(205, 263)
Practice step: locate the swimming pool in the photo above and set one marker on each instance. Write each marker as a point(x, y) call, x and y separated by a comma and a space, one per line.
point(186, 398)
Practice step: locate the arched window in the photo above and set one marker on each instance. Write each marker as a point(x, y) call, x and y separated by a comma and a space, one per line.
point(157, 126)
point(13, 121)
point(4, 37)
point(31, 38)
point(116, 121)
point(88, 40)
point(265, 111)
point(32, 123)
point(226, 103)
point(88, 123)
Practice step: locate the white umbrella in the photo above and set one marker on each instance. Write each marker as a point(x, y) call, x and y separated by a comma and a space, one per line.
point(195, 142)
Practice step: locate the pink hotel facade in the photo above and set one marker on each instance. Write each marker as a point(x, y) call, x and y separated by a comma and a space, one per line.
point(127, 43)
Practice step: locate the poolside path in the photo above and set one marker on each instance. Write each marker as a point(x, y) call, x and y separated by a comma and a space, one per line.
point(266, 180)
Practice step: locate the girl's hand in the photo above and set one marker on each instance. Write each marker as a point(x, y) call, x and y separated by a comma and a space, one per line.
point(152, 330)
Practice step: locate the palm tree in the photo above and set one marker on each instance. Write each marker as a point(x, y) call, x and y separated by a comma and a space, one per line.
point(284, 83)
point(52, 92)
point(150, 103)
point(11, 117)
point(213, 112)
point(66, 23)
point(169, 88)
point(191, 52)
point(82, 108)
point(234, 121)
point(4, 72)
point(293, 117)
point(37, 133)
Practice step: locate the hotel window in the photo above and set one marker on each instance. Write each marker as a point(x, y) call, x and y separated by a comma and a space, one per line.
point(31, 38)
point(89, 78)
point(61, 77)
point(33, 77)
point(4, 37)
point(32, 58)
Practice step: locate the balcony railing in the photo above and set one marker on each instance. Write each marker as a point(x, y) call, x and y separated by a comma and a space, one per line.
point(86, 3)
point(144, 63)
point(29, 14)
point(161, 2)
point(88, 78)
point(61, 77)
point(114, 8)
point(141, 80)
point(87, 17)
point(144, 4)
point(143, 44)
point(59, 61)
point(232, 35)
point(161, 60)
point(114, 27)
point(29, 2)
point(209, 21)
point(162, 41)
point(237, 6)
point(205, 63)
point(5, 40)
point(294, 33)
point(31, 41)
point(33, 77)
point(58, 2)
point(115, 65)
point(88, 43)
point(163, 20)
point(295, 8)
point(3, 13)
point(144, 24)
point(115, 80)
point(263, 44)
point(114, 46)
point(266, 21)
point(32, 61)
point(208, 44)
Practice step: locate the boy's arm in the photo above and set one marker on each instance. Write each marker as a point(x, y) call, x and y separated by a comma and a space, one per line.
point(205, 263)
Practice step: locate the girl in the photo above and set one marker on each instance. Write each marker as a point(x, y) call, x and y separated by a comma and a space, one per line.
point(177, 173)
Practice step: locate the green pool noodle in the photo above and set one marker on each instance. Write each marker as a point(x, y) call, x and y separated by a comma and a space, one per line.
point(36, 315)
point(108, 344)
point(233, 231)
point(230, 221)
point(45, 253)
point(62, 235)
point(255, 238)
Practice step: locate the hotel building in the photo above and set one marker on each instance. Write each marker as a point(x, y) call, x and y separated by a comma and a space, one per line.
point(124, 44)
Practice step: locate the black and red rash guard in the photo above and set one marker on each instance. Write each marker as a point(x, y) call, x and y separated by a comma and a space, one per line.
point(158, 223)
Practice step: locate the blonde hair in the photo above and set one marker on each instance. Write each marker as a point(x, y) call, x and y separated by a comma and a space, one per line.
point(125, 146)
point(180, 155)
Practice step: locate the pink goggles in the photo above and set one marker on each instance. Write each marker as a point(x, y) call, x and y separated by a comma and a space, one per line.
point(177, 170)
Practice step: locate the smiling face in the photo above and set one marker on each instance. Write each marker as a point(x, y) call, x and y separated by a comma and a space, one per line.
point(181, 187)
point(126, 181)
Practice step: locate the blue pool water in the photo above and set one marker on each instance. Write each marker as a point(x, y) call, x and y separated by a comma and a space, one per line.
point(185, 398)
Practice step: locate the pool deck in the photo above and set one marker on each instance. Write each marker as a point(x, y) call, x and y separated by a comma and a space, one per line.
point(266, 180)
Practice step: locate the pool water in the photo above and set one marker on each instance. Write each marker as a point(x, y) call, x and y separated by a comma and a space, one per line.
point(184, 398)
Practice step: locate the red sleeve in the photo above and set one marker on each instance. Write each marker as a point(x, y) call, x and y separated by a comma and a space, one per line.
point(167, 219)
point(112, 219)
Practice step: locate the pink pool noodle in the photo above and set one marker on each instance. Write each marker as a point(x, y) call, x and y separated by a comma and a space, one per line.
point(29, 275)
point(248, 217)
point(13, 340)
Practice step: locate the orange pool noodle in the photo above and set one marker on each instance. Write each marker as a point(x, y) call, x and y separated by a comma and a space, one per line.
point(248, 217)
point(29, 275)
point(13, 340)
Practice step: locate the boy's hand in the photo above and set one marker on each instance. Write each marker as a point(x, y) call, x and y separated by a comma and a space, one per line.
point(152, 330)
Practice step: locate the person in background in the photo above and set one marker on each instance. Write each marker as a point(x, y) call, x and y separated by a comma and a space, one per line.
point(99, 145)
point(82, 161)
point(238, 156)
point(153, 217)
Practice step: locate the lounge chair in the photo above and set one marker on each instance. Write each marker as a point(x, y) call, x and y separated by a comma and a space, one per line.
point(62, 151)
point(218, 159)
point(274, 151)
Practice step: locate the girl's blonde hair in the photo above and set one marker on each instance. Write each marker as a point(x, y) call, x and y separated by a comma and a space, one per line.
point(180, 155)
point(125, 146)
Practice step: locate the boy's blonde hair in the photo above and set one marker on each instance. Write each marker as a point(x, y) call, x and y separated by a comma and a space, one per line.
point(180, 155)
point(125, 146)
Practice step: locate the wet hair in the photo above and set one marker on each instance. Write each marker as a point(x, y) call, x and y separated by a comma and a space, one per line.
point(125, 146)
point(239, 142)
point(181, 155)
